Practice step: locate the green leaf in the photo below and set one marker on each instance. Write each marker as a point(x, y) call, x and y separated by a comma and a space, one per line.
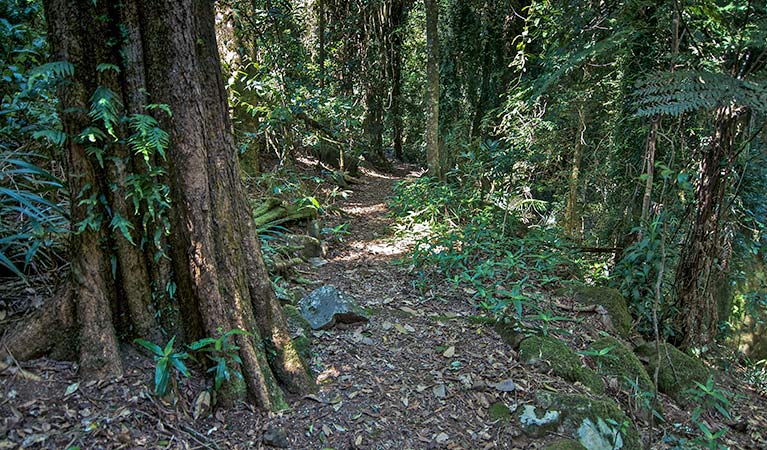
point(154, 348)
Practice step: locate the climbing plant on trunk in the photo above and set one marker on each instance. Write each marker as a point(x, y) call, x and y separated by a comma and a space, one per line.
point(163, 236)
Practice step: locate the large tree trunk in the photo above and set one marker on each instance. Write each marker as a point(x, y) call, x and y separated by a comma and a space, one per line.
point(704, 262)
point(433, 154)
point(168, 50)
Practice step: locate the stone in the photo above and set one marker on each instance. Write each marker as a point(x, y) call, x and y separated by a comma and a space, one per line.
point(610, 299)
point(275, 437)
point(678, 371)
point(591, 421)
point(326, 306)
point(550, 353)
point(537, 423)
point(622, 363)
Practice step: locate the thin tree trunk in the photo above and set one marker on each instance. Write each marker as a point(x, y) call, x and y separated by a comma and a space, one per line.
point(434, 157)
point(399, 17)
point(572, 221)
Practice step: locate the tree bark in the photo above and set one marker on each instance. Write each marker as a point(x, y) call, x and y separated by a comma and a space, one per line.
point(168, 50)
point(572, 218)
point(704, 262)
point(398, 19)
point(433, 152)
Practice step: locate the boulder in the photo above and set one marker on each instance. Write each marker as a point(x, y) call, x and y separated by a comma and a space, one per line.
point(620, 362)
point(550, 353)
point(610, 299)
point(678, 371)
point(326, 306)
point(596, 424)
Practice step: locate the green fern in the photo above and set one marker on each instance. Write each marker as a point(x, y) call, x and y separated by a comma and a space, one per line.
point(148, 138)
point(105, 105)
point(54, 69)
point(677, 93)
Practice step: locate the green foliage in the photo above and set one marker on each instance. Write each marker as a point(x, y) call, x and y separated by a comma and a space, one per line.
point(636, 275)
point(223, 352)
point(708, 397)
point(680, 92)
point(33, 198)
point(169, 364)
point(32, 221)
point(480, 247)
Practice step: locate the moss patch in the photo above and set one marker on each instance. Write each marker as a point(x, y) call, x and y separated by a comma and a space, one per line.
point(499, 411)
point(563, 361)
point(579, 412)
point(610, 299)
point(295, 320)
point(622, 363)
point(565, 445)
point(678, 371)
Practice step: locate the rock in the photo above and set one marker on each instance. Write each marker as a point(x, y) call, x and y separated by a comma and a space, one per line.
point(568, 444)
point(505, 386)
point(599, 436)
point(610, 299)
point(678, 371)
point(622, 363)
point(309, 246)
point(275, 437)
point(549, 352)
point(596, 424)
point(537, 423)
point(326, 306)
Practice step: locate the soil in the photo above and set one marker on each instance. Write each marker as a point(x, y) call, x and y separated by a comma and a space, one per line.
point(422, 373)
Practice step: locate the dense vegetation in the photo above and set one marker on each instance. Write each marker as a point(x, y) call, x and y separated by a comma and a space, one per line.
point(617, 143)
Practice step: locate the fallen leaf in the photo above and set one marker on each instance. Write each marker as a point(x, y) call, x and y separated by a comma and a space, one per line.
point(202, 405)
point(400, 328)
point(71, 389)
point(450, 352)
point(442, 438)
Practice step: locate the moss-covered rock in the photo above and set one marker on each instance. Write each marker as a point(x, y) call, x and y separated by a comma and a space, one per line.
point(597, 424)
point(678, 371)
point(568, 444)
point(511, 333)
point(610, 299)
point(622, 363)
point(552, 353)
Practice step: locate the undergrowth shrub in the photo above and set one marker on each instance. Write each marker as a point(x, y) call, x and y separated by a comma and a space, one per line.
point(479, 247)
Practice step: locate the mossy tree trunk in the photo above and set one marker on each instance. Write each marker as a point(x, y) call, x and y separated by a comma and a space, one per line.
point(158, 52)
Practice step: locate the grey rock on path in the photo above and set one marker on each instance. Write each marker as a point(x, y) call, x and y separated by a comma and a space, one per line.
point(326, 306)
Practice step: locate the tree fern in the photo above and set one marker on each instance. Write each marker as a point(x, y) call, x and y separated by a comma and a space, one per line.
point(677, 93)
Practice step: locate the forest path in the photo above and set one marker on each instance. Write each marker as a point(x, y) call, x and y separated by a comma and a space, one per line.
point(419, 374)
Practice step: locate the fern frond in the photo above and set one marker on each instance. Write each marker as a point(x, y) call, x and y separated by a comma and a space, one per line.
point(677, 93)
point(105, 104)
point(53, 69)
